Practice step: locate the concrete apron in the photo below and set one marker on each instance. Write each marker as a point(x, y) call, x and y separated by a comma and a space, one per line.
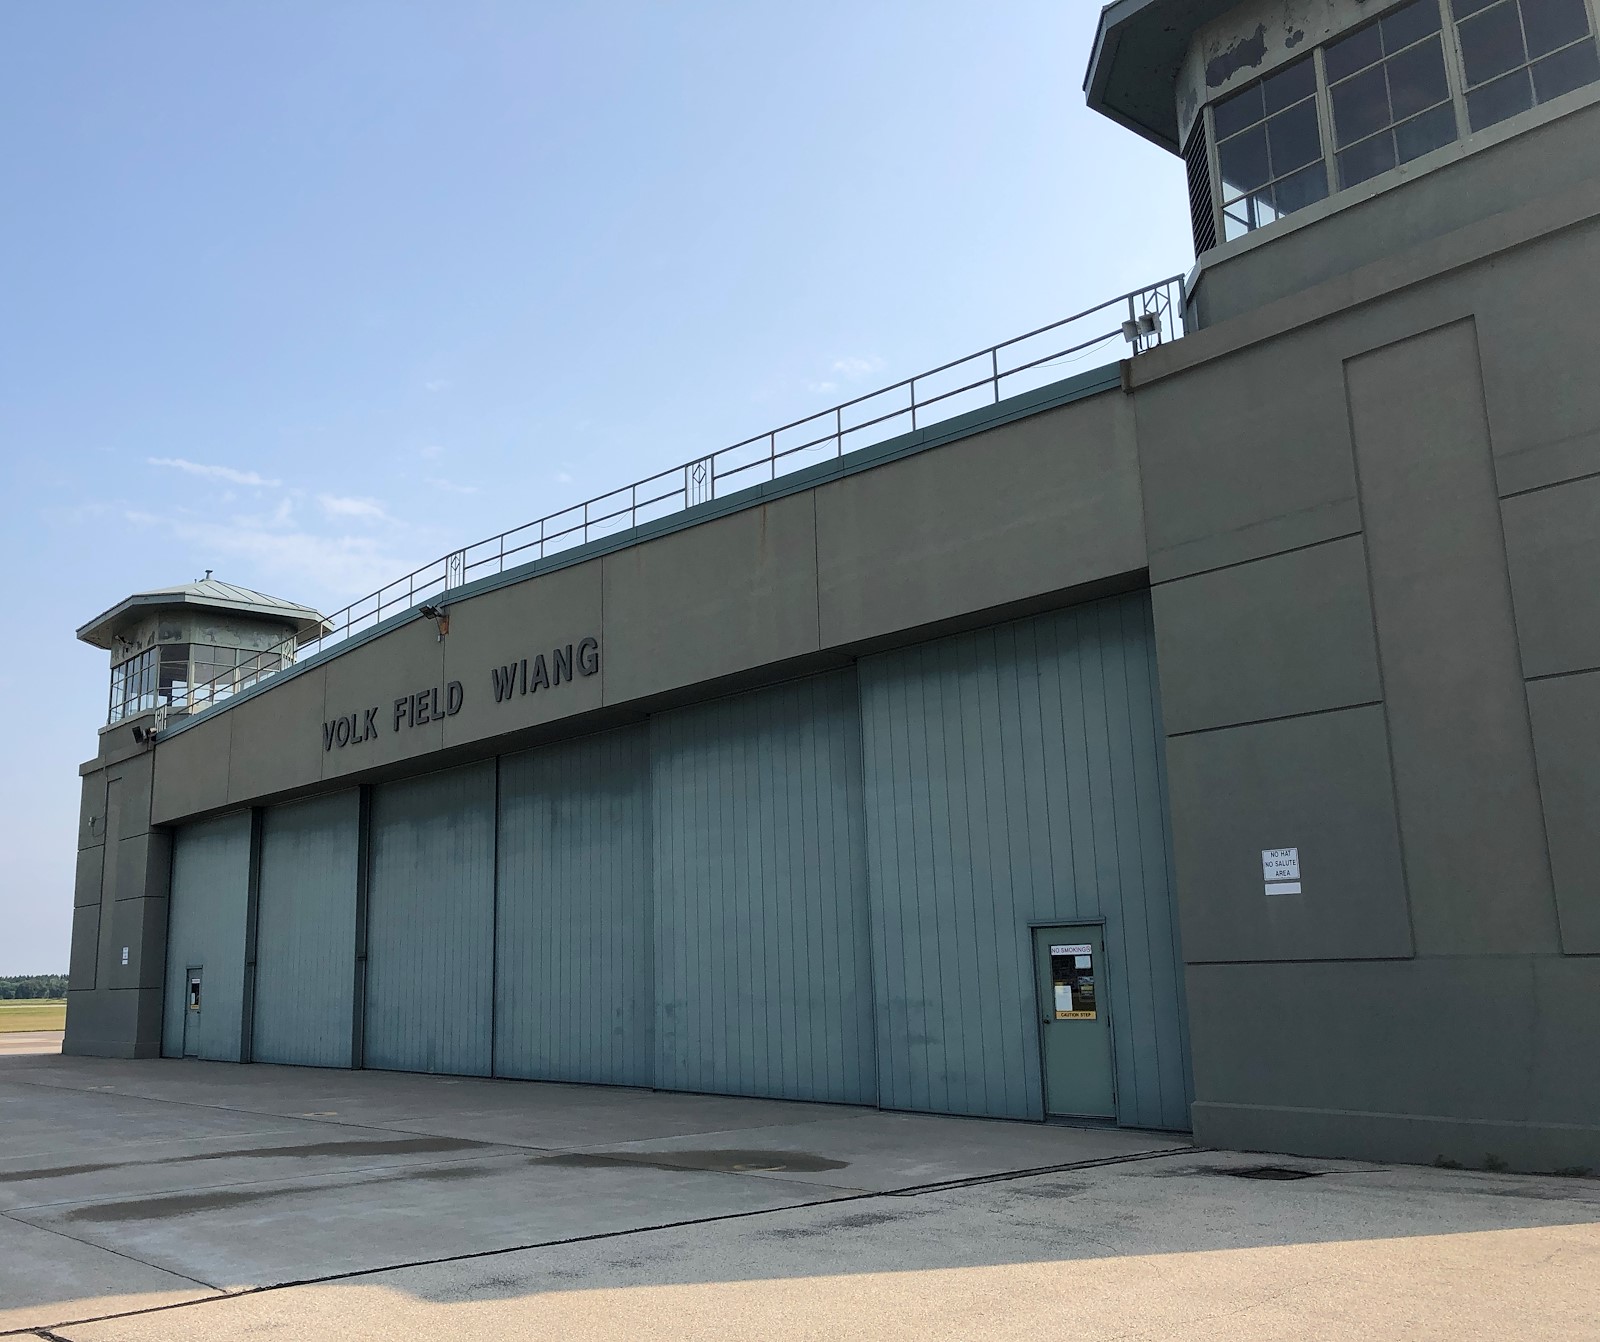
point(128, 1185)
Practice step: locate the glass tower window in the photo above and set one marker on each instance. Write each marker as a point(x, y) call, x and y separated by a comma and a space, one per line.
point(186, 677)
point(1519, 53)
point(1389, 93)
point(1269, 148)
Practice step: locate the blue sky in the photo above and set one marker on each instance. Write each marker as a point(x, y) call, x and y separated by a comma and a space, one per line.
point(310, 292)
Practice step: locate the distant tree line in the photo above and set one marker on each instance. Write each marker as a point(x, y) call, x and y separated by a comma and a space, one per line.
point(29, 987)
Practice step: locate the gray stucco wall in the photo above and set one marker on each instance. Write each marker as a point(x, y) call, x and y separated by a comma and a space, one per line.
point(1377, 643)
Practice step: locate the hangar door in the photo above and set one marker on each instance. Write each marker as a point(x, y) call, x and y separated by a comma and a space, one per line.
point(430, 929)
point(306, 933)
point(763, 965)
point(1015, 780)
point(573, 999)
point(206, 917)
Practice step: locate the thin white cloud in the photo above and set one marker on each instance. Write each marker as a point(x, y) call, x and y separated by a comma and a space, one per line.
point(853, 367)
point(451, 487)
point(227, 474)
point(562, 478)
point(432, 452)
point(437, 384)
point(335, 505)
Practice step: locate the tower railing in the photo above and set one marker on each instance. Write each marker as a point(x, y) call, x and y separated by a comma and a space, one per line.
point(1143, 319)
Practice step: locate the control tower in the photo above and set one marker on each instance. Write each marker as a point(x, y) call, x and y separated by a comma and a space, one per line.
point(177, 650)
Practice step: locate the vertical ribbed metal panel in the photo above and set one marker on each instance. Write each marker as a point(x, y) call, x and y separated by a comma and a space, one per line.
point(430, 939)
point(206, 927)
point(574, 999)
point(1015, 776)
point(763, 968)
point(306, 932)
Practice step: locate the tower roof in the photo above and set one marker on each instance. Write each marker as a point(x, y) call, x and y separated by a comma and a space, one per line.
point(1138, 50)
point(205, 594)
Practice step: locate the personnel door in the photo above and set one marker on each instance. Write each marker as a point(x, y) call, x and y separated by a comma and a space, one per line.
point(1075, 1028)
point(191, 1012)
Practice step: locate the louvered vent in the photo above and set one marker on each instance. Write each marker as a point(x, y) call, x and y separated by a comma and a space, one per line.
point(1202, 213)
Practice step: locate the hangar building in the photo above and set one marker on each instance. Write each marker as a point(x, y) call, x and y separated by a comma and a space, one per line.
point(1204, 742)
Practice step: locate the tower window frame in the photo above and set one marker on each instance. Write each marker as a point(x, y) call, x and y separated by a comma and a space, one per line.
point(1248, 217)
point(1539, 76)
point(1263, 170)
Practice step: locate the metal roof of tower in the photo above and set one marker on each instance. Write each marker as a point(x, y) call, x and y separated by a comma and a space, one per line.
point(1138, 50)
point(206, 594)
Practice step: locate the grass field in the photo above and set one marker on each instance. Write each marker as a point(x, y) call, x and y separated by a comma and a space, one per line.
point(32, 1015)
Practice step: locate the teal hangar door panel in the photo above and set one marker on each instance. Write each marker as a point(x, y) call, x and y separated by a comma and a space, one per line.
point(1074, 1025)
point(306, 932)
point(573, 982)
point(1015, 777)
point(763, 966)
point(206, 925)
point(430, 923)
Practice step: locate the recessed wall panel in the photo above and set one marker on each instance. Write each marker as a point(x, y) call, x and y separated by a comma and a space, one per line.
point(574, 998)
point(430, 939)
point(1468, 796)
point(306, 932)
point(1014, 776)
point(762, 962)
point(206, 930)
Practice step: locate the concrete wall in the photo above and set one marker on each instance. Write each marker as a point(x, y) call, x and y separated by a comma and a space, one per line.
point(1373, 537)
point(119, 904)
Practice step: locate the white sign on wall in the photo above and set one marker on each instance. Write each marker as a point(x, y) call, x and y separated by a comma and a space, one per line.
point(1280, 869)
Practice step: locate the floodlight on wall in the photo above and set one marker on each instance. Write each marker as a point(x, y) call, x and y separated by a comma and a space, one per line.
point(440, 615)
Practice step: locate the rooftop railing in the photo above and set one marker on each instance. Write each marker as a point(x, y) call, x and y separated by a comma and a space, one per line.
point(1143, 319)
